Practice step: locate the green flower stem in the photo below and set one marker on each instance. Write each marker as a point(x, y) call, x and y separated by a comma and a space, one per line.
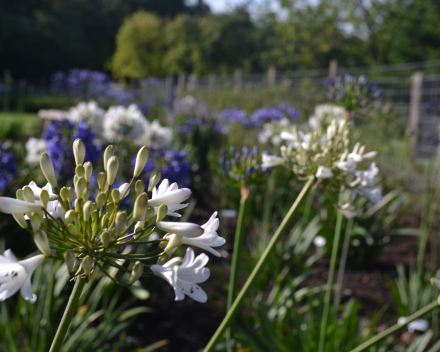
point(331, 275)
point(343, 261)
point(397, 327)
point(238, 243)
point(242, 294)
point(57, 342)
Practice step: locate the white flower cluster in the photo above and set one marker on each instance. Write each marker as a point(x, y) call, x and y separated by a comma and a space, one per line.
point(34, 148)
point(114, 125)
point(270, 132)
point(324, 154)
point(324, 114)
point(89, 233)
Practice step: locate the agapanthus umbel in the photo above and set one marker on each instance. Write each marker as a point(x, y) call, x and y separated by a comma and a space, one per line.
point(89, 234)
point(325, 156)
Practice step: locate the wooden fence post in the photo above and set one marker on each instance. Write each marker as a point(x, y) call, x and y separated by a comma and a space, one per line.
point(181, 83)
point(272, 76)
point(212, 81)
point(333, 68)
point(192, 81)
point(414, 110)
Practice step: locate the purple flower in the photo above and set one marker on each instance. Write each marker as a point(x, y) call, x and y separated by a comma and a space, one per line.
point(8, 167)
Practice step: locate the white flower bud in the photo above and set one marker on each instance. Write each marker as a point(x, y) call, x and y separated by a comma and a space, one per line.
point(140, 207)
point(87, 264)
point(44, 198)
point(105, 238)
point(79, 151)
point(141, 161)
point(69, 217)
point(155, 177)
point(173, 242)
point(149, 214)
point(110, 207)
point(120, 223)
point(20, 219)
point(36, 222)
point(112, 170)
point(101, 179)
point(72, 230)
point(436, 283)
point(28, 195)
point(184, 229)
point(79, 171)
point(88, 170)
point(19, 194)
point(139, 187)
point(70, 197)
point(95, 215)
point(108, 153)
point(161, 212)
point(42, 242)
point(100, 200)
point(116, 196)
point(136, 273)
point(79, 203)
point(70, 259)
point(87, 210)
point(81, 186)
point(47, 168)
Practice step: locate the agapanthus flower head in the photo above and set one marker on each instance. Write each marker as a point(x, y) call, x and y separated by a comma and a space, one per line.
point(242, 167)
point(351, 93)
point(89, 112)
point(324, 114)
point(8, 167)
point(324, 155)
point(88, 232)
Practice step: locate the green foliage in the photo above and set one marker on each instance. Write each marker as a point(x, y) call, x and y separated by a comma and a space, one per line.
point(140, 47)
point(100, 324)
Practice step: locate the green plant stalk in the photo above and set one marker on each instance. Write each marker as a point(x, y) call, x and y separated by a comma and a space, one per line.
point(57, 342)
point(396, 327)
point(331, 275)
point(342, 262)
point(246, 287)
point(238, 243)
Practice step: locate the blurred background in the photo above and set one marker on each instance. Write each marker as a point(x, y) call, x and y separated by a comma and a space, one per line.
point(209, 75)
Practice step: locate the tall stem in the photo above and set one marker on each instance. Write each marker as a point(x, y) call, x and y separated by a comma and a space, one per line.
point(57, 342)
point(238, 243)
point(331, 275)
point(394, 328)
point(342, 262)
point(242, 294)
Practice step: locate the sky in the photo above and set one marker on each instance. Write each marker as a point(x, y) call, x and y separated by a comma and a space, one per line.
point(218, 6)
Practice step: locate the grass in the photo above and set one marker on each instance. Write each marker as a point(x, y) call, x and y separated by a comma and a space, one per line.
point(14, 124)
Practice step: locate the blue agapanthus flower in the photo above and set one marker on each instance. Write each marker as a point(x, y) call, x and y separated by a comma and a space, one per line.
point(8, 167)
point(59, 137)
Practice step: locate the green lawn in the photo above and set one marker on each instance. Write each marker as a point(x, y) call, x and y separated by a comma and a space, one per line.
point(15, 124)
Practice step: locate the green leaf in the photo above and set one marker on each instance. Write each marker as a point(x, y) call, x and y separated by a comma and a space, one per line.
point(134, 311)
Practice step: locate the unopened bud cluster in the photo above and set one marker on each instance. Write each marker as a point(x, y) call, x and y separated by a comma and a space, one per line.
point(242, 167)
point(88, 232)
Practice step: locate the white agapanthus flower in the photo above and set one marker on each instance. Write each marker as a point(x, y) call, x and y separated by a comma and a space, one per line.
point(54, 207)
point(34, 148)
point(185, 277)
point(16, 275)
point(347, 166)
point(120, 123)
point(373, 194)
point(89, 112)
point(368, 176)
point(271, 160)
point(324, 114)
point(292, 140)
point(158, 136)
point(271, 132)
point(169, 195)
point(208, 239)
point(323, 172)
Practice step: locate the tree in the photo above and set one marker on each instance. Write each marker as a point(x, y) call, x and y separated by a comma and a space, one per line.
point(140, 47)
